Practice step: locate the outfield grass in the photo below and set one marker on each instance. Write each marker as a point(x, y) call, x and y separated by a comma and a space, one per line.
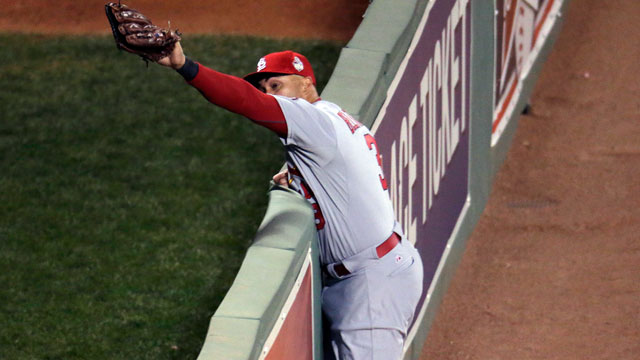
point(127, 201)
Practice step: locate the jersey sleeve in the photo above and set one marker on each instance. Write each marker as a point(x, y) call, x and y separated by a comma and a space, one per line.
point(309, 128)
point(238, 96)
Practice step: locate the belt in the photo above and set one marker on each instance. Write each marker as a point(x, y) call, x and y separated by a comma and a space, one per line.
point(382, 250)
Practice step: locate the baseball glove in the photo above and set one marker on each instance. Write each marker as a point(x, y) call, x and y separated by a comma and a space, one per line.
point(135, 33)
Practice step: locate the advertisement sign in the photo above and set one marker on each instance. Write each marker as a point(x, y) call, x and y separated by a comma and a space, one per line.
point(423, 131)
point(292, 336)
point(519, 34)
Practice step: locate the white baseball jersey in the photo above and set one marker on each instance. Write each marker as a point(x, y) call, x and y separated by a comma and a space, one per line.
point(334, 163)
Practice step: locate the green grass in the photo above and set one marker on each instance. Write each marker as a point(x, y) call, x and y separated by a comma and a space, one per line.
point(127, 201)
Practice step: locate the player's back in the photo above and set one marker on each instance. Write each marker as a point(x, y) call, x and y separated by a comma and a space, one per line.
point(368, 209)
point(338, 159)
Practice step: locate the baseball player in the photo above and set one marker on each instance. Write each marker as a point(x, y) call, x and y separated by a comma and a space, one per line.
point(373, 277)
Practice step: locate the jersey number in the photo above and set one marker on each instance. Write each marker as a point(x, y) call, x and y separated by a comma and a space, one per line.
point(371, 142)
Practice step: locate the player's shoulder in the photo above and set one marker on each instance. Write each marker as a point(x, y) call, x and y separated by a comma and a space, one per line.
point(341, 119)
point(321, 108)
point(296, 102)
point(327, 106)
point(332, 110)
point(319, 104)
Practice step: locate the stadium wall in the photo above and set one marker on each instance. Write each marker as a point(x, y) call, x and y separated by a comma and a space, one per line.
point(442, 84)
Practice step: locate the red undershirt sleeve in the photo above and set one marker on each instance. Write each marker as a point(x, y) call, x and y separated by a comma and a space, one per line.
point(239, 96)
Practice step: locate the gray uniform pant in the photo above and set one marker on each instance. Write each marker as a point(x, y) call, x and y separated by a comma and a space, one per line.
point(368, 312)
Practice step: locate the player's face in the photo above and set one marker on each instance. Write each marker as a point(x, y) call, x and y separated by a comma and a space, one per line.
point(286, 85)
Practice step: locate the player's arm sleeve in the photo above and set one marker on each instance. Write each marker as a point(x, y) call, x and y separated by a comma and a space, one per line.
point(236, 95)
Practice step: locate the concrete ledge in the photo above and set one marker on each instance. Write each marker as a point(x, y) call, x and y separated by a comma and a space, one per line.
point(383, 24)
point(357, 83)
point(244, 319)
point(229, 338)
point(257, 283)
point(388, 27)
point(370, 60)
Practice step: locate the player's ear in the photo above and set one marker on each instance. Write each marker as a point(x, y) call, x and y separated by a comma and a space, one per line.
point(308, 81)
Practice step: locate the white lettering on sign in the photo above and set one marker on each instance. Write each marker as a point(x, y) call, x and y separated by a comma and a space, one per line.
point(434, 146)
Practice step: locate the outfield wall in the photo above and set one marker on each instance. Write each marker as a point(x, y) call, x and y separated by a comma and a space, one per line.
point(277, 278)
point(442, 84)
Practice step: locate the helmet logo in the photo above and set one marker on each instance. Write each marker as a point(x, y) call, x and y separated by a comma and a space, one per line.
point(298, 64)
point(262, 64)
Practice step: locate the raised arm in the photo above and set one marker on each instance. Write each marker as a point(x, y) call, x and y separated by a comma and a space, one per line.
point(229, 92)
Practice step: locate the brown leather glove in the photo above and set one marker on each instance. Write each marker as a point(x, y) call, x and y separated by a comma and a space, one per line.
point(135, 33)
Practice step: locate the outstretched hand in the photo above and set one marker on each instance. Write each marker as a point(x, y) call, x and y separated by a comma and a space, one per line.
point(176, 59)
